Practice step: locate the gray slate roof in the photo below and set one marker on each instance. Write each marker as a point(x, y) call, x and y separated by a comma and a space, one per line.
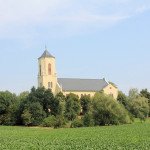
point(69, 84)
point(46, 54)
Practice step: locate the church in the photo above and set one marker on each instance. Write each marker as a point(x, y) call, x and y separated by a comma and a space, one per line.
point(47, 77)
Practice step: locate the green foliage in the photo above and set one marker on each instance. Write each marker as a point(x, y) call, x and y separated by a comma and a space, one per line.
point(12, 114)
point(133, 93)
point(146, 94)
point(49, 102)
point(140, 108)
point(6, 99)
point(77, 123)
point(61, 106)
point(59, 122)
point(23, 95)
point(85, 103)
point(44, 97)
point(122, 98)
point(60, 96)
point(27, 118)
point(73, 106)
point(38, 102)
point(88, 120)
point(52, 121)
point(37, 113)
point(107, 110)
point(32, 108)
point(48, 122)
point(8, 108)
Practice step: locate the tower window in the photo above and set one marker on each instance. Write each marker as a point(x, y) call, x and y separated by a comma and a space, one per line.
point(49, 69)
point(40, 70)
point(50, 84)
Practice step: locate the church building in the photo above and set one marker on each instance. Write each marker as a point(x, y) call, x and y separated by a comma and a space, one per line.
point(47, 77)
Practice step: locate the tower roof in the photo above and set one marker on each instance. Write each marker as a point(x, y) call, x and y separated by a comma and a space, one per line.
point(46, 54)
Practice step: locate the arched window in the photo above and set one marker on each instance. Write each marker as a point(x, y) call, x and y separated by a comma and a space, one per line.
point(40, 84)
point(49, 85)
point(40, 70)
point(49, 69)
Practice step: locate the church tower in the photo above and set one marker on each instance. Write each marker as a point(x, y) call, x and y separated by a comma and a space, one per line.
point(47, 76)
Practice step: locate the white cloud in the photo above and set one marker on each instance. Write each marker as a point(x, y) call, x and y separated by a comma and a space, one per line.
point(19, 18)
point(142, 8)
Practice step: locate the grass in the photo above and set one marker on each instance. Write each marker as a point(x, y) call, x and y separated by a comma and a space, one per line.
point(123, 137)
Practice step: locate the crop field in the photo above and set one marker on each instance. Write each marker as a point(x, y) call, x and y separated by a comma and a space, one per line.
point(123, 137)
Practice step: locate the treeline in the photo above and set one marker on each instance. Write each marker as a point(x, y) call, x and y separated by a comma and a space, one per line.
point(40, 107)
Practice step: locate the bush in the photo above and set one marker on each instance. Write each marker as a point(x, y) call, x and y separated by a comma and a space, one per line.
point(48, 122)
point(59, 122)
point(77, 123)
point(140, 108)
point(26, 117)
point(114, 121)
point(88, 120)
point(107, 110)
point(52, 121)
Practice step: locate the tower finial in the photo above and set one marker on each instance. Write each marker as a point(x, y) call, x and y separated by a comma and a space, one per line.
point(45, 47)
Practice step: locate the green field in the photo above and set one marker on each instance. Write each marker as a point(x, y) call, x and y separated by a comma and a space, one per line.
point(134, 136)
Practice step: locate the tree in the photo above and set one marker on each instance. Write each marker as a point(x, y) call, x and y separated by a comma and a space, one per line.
point(38, 102)
point(37, 112)
point(26, 117)
point(107, 110)
point(60, 96)
point(122, 98)
point(140, 108)
point(133, 93)
point(36, 95)
point(23, 95)
point(88, 120)
point(8, 108)
point(44, 97)
point(73, 106)
point(49, 102)
point(85, 103)
point(146, 94)
point(61, 106)
point(6, 99)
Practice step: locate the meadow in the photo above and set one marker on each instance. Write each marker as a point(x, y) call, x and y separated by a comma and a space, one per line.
point(123, 137)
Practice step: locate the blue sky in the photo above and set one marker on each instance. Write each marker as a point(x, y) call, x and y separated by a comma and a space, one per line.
point(89, 38)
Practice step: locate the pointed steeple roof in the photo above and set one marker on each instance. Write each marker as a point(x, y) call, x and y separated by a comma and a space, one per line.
point(46, 54)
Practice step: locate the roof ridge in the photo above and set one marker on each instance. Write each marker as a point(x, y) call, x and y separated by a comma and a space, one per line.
point(81, 78)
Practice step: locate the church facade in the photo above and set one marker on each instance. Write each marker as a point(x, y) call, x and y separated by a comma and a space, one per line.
point(47, 77)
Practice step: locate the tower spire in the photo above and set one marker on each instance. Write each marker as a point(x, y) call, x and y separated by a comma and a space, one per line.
point(45, 47)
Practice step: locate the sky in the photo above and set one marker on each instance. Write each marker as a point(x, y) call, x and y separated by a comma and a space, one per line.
point(89, 38)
